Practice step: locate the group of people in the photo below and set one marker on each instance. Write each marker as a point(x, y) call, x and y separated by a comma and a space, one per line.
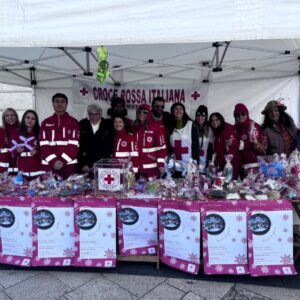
point(65, 146)
point(31, 149)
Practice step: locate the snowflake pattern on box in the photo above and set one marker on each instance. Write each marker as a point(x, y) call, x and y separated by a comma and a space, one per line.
point(53, 216)
point(271, 224)
point(16, 239)
point(224, 231)
point(180, 247)
point(241, 259)
point(27, 252)
point(95, 224)
point(137, 226)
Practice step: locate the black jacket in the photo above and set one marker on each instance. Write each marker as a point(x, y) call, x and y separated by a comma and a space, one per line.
point(93, 147)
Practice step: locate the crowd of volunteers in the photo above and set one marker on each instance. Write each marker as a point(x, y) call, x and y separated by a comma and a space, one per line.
point(65, 146)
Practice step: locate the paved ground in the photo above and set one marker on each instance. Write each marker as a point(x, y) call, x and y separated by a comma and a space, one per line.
point(140, 281)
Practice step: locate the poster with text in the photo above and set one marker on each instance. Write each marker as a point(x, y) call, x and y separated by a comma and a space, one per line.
point(270, 238)
point(16, 246)
point(95, 232)
point(137, 226)
point(224, 234)
point(53, 231)
point(179, 234)
point(86, 92)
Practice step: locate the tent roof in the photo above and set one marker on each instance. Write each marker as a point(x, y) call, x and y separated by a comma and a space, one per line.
point(154, 63)
point(176, 36)
point(55, 23)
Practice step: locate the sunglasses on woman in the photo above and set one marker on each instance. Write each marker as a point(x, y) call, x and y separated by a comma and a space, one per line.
point(240, 114)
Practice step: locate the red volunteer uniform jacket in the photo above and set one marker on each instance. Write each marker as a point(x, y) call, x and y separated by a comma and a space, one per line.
point(248, 150)
point(3, 152)
point(125, 147)
point(220, 148)
point(29, 164)
point(9, 130)
point(59, 140)
point(151, 148)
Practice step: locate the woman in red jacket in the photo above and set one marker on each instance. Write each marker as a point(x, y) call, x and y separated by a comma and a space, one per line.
point(3, 152)
point(25, 146)
point(10, 122)
point(124, 142)
point(225, 142)
point(249, 135)
point(151, 144)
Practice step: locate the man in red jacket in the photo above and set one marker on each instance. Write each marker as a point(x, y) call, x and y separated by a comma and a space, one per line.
point(59, 139)
point(161, 118)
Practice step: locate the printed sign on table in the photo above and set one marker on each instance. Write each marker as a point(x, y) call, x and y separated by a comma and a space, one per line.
point(179, 234)
point(53, 231)
point(224, 231)
point(270, 238)
point(16, 247)
point(137, 226)
point(95, 232)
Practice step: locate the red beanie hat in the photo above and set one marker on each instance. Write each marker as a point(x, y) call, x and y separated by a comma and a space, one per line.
point(144, 107)
point(240, 108)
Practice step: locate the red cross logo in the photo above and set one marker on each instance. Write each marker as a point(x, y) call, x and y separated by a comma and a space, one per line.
point(109, 179)
point(84, 91)
point(178, 150)
point(195, 95)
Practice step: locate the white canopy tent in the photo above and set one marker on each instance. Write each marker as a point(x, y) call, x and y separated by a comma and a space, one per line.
point(245, 51)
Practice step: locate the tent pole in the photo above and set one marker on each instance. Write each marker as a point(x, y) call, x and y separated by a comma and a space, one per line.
point(225, 50)
point(34, 97)
point(16, 74)
point(94, 56)
point(88, 72)
point(32, 76)
point(73, 59)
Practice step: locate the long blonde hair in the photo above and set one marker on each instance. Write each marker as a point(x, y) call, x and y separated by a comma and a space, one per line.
point(3, 116)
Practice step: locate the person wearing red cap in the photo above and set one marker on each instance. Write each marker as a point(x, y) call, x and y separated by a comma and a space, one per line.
point(225, 142)
point(279, 130)
point(151, 144)
point(249, 135)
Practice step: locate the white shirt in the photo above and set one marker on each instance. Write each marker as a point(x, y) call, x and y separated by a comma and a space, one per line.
point(95, 126)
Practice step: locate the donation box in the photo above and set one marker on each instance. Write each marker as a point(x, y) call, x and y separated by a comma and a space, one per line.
point(111, 175)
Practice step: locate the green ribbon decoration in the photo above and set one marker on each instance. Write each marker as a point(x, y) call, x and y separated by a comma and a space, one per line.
point(103, 66)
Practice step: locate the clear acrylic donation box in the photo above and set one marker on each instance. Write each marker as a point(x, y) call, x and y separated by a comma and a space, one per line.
point(111, 175)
